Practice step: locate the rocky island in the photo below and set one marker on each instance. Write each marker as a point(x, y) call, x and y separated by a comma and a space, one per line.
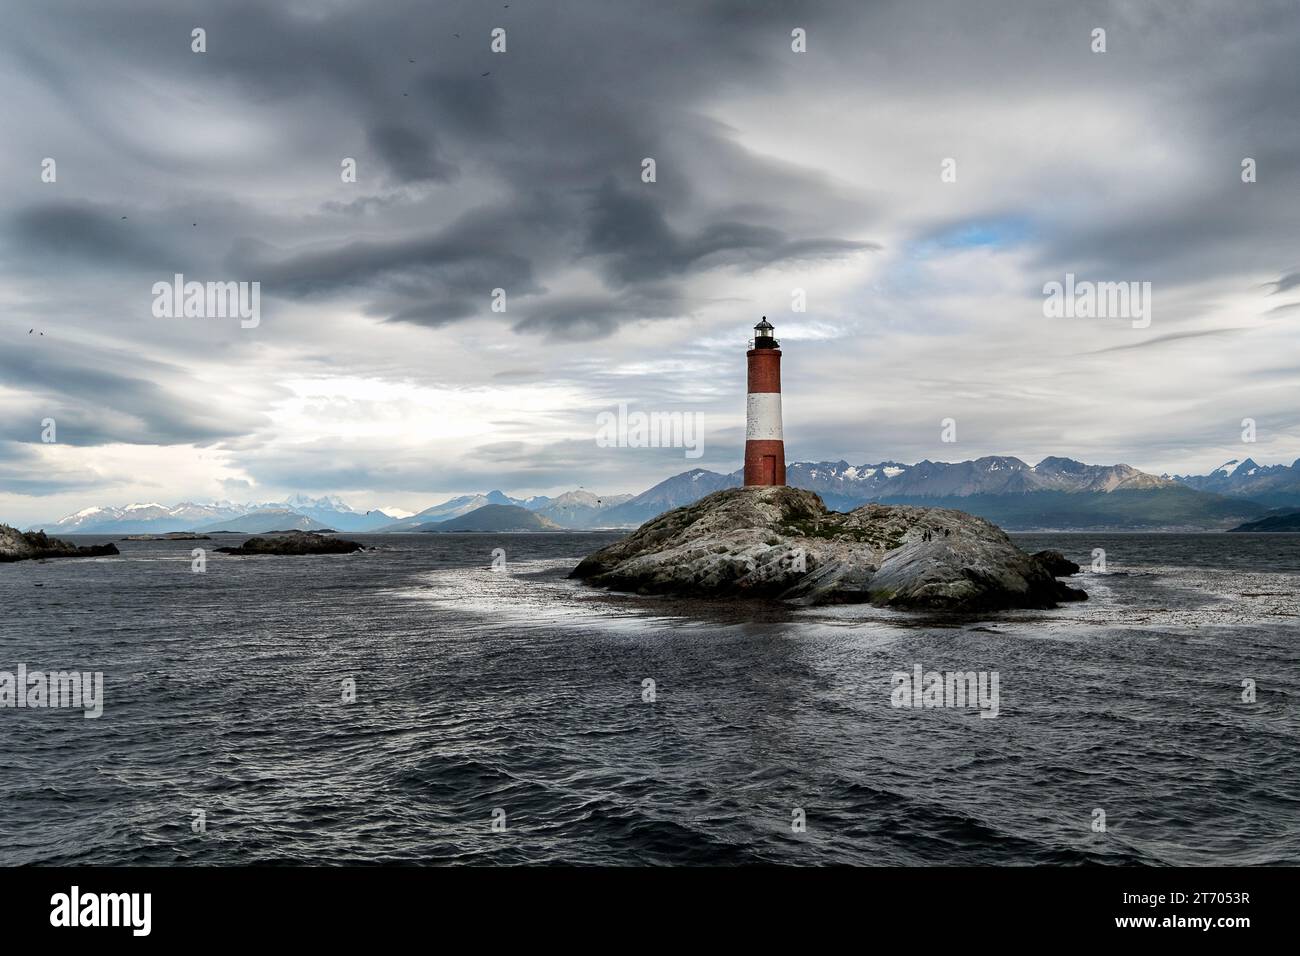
point(780, 542)
point(294, 542)
point(18, 545)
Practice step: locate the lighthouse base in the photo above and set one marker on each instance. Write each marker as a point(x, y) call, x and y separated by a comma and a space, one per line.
point(764, 463)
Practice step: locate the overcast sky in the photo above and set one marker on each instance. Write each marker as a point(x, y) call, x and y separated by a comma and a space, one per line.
point(379, 371)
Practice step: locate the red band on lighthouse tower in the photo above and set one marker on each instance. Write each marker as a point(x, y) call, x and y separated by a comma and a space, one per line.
point(764, 442)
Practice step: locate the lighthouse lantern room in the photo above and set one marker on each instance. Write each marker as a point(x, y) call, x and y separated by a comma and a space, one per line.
point(764, 443)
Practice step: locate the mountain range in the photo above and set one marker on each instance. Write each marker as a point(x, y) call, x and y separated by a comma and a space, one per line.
point(574, 509)
point(1056, 493)
point(1277, 486)
point(295, 513)
point(495, 518)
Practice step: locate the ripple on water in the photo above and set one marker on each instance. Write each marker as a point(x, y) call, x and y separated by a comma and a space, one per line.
point(524, 692)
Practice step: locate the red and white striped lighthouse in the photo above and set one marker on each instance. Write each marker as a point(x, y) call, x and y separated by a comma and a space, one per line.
point(764, 444)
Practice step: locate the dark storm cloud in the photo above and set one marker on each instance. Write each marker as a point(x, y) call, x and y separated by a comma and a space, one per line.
point(90, 233)
point(583, 94)
point(1204, 112)
point(428, 280)
point(1286, 283)
point(99, 397)
point(440, 310)
point(465, 105)
point(23, 471)
point(631, 234)
point(484, 244)
point(1173, 242)
point(412, 156)
point(576, 318)
point(587, 90)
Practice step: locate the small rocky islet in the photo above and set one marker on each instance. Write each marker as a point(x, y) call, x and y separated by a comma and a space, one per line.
point(18, 545)
point(294, 542)
point(782, 543)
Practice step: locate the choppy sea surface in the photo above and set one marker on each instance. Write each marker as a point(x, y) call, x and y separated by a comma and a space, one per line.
point(517, 697)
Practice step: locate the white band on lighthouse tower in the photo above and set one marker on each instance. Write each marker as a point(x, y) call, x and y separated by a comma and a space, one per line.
point(763, 416)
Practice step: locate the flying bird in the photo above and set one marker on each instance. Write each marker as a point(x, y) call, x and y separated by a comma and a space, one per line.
point(488, 73)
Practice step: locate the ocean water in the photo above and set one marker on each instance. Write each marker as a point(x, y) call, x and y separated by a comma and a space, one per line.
point(518, 697)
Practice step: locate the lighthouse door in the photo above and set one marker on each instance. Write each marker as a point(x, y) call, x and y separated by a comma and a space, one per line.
point(768, 470)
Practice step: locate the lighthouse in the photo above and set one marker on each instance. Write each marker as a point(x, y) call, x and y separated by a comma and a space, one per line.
point(764, 444)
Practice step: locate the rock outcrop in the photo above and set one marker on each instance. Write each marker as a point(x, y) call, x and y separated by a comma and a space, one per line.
point(18, 545)
point(294, 542)
point(782, 543)
point(1056, 563)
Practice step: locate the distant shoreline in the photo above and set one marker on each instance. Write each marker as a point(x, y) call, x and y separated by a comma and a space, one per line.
point(585, 531)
